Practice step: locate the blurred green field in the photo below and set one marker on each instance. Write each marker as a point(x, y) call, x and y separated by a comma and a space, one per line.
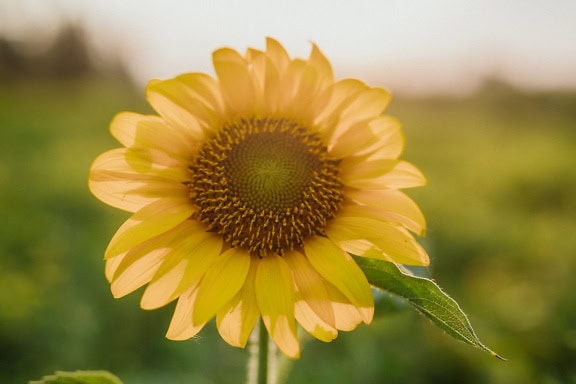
point(501, 207)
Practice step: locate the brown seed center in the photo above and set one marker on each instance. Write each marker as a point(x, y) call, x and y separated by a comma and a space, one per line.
point(265, 185)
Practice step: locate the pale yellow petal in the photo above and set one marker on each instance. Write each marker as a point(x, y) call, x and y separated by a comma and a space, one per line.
point(338, 268)
point(116, 183)
point(355, 141)
point(206, 89)
point(390, 143)
point(236, 320)
point(257, 61)
point(299, 103)
point(391, 205)
point(310, 285)
point(290, 83)
point(312, 323)
point(112, 265)
point(182, 267)
point(235, 81)
point(169, 98)
point(137, 268)
point(378, 138)
point(322, 66)
point(396, 242)
point(275, 296)
point(147, 160)
point(221, 283)
point(278, 55)
point(152, 220)
point(363, 107)
point(367, 104)
point(133, 129)
point(380, 174)
point(347, 315)
point(181, 327)
point(162, 290)
point(330, 103)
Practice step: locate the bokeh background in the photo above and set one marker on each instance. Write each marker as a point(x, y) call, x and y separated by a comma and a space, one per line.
point(487, 95)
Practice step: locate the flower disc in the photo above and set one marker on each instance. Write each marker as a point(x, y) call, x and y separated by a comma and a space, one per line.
point(265, 185)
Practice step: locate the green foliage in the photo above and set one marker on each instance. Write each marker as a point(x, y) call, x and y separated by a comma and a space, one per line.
point(500, 204)
point(425, 295)
point(79, 377)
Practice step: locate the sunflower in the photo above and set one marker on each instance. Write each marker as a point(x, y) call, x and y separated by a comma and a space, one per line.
point(249, 192)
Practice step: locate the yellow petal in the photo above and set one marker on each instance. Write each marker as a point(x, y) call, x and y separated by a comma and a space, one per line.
point(236, 320)
point(338, 268)
point(299, 103)
point(329, 105)
point(257, 64)
point(150, 221)
point(380, 138)
point(116, 183)
point(278, 55)
point(275, 296)
point(133, 129)
point(153, 161)
point(162, 290)
point(290, 82)
point(355, 141)
point(310, 286)
point(390, 138)
point(380, 174)
point(312, 323)
point(235, 81)
point(112, 265)
point(207, 90)
point(397, 244)
point(221, 283)
point(367, 104)
point(319, 62)
point(169, 99)
point(346, 314)
point(183, 267)
point(191, 102)
point(181, 327)
point(391, 205)
point(136, 268)
point(363, 107)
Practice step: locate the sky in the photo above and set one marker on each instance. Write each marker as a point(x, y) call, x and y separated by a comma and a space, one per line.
point(411, 46)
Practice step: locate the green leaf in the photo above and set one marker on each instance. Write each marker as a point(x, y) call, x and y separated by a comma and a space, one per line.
point(425, 295)
point(79, 377)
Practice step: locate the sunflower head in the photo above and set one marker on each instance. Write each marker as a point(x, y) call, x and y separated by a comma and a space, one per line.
point(250, 190)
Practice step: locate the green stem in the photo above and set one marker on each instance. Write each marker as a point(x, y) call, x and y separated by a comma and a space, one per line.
point(262, 354)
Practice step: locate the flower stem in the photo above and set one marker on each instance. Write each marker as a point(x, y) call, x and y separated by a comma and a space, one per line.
point(262, 354)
